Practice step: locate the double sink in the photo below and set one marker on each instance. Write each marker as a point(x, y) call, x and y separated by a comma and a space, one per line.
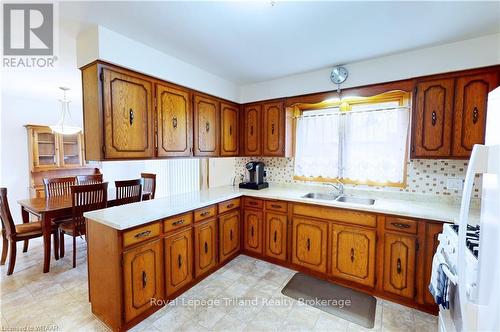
point(340, 198)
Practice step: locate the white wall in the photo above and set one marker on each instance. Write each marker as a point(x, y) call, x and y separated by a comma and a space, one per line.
point(472, 53)
point(118, 49)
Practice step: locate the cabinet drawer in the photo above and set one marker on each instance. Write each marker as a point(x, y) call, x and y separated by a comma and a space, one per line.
point(253, 202)
point(346, 216)
point(229, 205)
point(140, 234)
point(401, 225)
point(176, 222)
point(278, 206)
point(204, 213)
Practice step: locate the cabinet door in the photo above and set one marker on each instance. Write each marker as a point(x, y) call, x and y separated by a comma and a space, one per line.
point(205, 253)
point(45, 149)
point(206, 126)
point(179, 260)
point(71, 150)
point(251, 130)
point(309, 243)
point(253, 230)
point(273, 117)
point(275, 233)
point(142, 277)
point(128, 117)
point(229, 235)
point(431, 237)
point(229, 130)
point(399, 264)
point(353, 254)
point(433, 119)
point(173, 109)
point(471, 95)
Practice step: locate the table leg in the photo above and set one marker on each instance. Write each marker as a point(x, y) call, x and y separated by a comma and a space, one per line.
point(46, 228)
point(26, 219)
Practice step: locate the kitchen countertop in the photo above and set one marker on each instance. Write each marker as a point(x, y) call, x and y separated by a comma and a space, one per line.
point(135, 214)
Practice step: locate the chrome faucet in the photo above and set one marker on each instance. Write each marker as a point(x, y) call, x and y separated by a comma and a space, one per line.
point(339, 186)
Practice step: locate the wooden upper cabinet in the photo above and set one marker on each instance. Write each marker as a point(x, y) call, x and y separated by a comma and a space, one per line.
point(273, 118)
point(206, 126)
point(252, 130)
point(128, 116)
point(399, 264)
point(353, 254)
point(178, 260)
point(142, 278)
point(309, 247)
point(173, 112)
point(471, 95)
point(229, 129)
point(433, 119)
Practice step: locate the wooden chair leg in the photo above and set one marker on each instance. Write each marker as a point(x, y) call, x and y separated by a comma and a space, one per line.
point(25, 246)
point(12, 258)
point(61, 243)
point(74, 251)
point(26, 219)
point(56, 245)
point(5, 248)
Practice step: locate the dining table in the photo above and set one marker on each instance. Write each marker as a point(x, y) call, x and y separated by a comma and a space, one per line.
point(55, 207)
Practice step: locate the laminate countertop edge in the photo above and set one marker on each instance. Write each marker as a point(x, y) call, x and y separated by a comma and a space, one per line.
point(136, 214)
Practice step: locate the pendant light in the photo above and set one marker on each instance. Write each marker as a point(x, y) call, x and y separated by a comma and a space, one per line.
point(65, 125)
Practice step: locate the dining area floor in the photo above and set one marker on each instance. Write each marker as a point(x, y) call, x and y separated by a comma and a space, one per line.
point(58, 301)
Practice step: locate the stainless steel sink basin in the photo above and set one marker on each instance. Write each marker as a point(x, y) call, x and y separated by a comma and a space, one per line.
point(328, 197)
point(356, 200)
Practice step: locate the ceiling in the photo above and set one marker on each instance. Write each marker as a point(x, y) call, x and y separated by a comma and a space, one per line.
point(247, 42)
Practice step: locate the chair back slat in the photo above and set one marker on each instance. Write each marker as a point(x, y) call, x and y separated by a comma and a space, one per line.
point(128, 191)
point(58, 186)
point(88, 179)
point(87, 198)
point(149, 184)
point(7, 221)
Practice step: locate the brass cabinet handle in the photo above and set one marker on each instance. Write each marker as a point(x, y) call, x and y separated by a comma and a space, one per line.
point(272, 128)
point(230, 205)
point(231, 235)
point(308, 244)
point(131, 116)
point(251, 130)
point(206, 213)
point(433, 118)
point(206, 247)
point(144, 279)
point(400, 225)
point(178, 222)
point(475, 115)
point(398, 266)
point(207, 126)
point(352, 254)
point(142, 234)
point(179, 261)
point(252, 203)
point(230, 130)
point(275, 236)
point(251, 232)
point(174, 122)
point(276, 206)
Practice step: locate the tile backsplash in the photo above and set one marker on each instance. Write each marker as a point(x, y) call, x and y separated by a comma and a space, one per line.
point(423, 176)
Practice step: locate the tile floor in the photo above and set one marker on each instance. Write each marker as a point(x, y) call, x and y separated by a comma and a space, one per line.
point(59, 300)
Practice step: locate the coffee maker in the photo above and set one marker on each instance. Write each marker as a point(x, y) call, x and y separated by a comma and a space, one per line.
point(256, 176)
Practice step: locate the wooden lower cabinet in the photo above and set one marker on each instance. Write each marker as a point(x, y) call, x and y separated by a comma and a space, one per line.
point(353, 254)
point(178, 260)
point(309, 243)
point(229, 235)
point(399, 264)
point(205, 250)
point(142, 278)
point(252, 220)
point(275, 235)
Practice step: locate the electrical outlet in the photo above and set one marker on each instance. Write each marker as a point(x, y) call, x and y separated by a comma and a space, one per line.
point(455, 183)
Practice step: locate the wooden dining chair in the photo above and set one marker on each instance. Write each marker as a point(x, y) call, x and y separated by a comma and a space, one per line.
point(13, 233)
point(84, 198)
point(128, 191)
point(88, 179)
point(149, 184)
point(58, 186)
